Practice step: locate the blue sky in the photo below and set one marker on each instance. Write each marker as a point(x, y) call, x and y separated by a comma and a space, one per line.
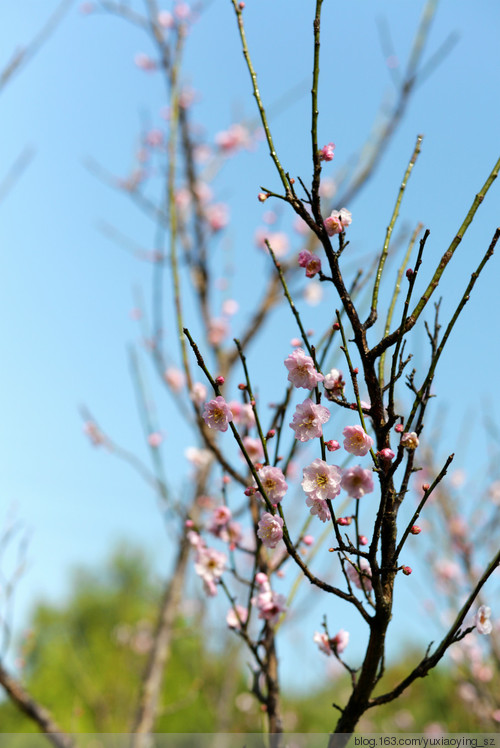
point(67, 290)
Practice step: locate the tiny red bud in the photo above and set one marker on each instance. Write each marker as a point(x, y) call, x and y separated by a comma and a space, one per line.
point(241, 5)
point(355, 371)
point(262, 196)
point(344, 520)
point(292, 181)
point(363, 540)
point(242, 386)
point(226, 479)
point(336, 326)
point(249, 491)
point(406, 570)
point(252, 403)
point(399, 428)
point(220, 381)
point(189, 523)
point(258, 465)
point(332, 445)
point(416, 530)
point(331, 550)
point(425, 487)
point(353, 406)
point(271, 433)
point(409, 273)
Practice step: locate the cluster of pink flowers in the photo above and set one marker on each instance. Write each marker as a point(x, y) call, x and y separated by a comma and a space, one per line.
point(308, 420)
point(310, 262)
point(301, 370)
point(338, 221)
point(270, 604)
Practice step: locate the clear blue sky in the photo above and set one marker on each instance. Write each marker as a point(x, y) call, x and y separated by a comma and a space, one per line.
point(67, 290)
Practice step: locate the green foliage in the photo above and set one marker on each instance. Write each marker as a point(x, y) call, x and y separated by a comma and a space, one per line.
point(84, 660)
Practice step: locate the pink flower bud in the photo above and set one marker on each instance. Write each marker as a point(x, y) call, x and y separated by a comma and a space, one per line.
point(262, 197)
point(242, 386)
point(416, 530)
point(220, 381)
point(249, 491)
point(363, 540)
point(271, 433)
point(344, 520)
point(386, 454)
point(409, 273)
point(332, 445)
point(189, 523)
point(425, 486)
point(399, 428)
point(406, 570)
point(308, 540)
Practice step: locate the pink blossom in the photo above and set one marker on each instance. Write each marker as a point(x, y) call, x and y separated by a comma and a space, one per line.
point(313, 293)
point(217, 216)
point(321, 481)
point(301, 370)
point(198, 393)
point(165, 19)
point(334, 383)
point(182, 11)
point(326, 153)
point(270, 604)
point(319, 508)
point(174, 378)
point(270, 529)
point(308, 420)
point(217, 331)
point(235, 137)
point(254, 448)
point(323, 643)
point(277, 239)
point(273, 483)
point(338, 221)
point(220, 516)
point(230, 307)
point(232, 534)
point(154, 138)
point(482, 620)
point(217, 414)
point(209, 565)
point(357, 481)
point(262, 580)
point(363, 580)
point(327, 188)
point(409, 440)
point(308, 540)
point(144, 62)
point(155, 439)
point(310, 262)
point(200, 458)
point(235, 621)
point(356, 441)
point(340, 641)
